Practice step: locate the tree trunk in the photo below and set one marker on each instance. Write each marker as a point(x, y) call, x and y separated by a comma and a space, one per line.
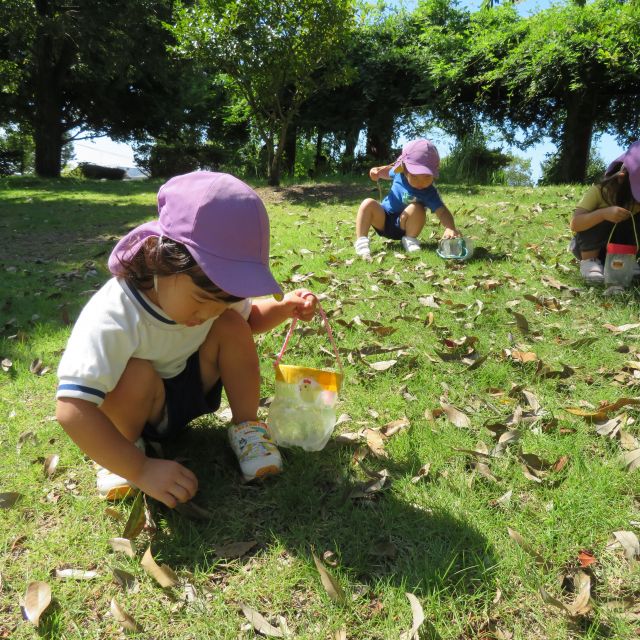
point(47, 126)
point(317, 161)
point(379, 136)
point(289, 155)
point(575, 143)
point(350, 142)
point(274, 167)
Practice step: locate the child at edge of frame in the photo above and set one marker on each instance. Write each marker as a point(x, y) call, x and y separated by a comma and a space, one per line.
point(155, 346)
point(611, 203)
point(402, 213)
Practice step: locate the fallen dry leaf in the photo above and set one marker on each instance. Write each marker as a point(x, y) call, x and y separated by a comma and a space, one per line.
point(423, 472)
point(521, 322)
point(38, 368)
point(375, 442)
point(622, 328)
point(7, 500)
point(455, 416)
point(631, 460)
point(582, 603)
point(367, 489)
point(540, 561)
point(125, 579)
point(163, 574)
point(51, 464)
point(235, 549)
point(330, 584)
point(75, 574)
point(521, 356)
point(586, 558)
point(418, 618)
point(123, 545)
point(630, 544)
point(36, 599)
point(601, 412)
point(382, 365)
point(260, 623)
point(393, 427)
point(503, 501)
point(123, 618)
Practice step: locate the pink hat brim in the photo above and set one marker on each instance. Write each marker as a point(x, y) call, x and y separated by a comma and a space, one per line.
point(237, 278)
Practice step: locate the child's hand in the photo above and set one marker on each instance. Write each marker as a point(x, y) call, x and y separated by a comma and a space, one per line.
point(374, 173)
point(301, 304)
point(450, 233)
point(167, 481)
point(615, 214)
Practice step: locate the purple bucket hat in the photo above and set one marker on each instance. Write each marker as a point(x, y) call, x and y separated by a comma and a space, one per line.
point(419, 157)
point(222, 222)
point(631, 161)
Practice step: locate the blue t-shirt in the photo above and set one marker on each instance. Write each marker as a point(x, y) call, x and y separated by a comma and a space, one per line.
point(403, 194)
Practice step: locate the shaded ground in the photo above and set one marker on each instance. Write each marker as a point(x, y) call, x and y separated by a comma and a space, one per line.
point(313, 193)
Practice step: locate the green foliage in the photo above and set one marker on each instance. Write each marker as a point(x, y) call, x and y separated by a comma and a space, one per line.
point(165, 159)
point(471, 161)
point(16, 151)
point(551, 168)
point(93, 66)
point(276, 52)
point(565, 72)
point(517, 173)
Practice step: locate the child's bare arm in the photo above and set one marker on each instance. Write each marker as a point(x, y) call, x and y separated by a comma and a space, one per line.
point(380, 173)
point(446, 220)
point(269, 313)
point(583, 219)
point(97, 436)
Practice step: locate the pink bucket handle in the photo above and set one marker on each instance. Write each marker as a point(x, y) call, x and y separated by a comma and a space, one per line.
point(327, 326)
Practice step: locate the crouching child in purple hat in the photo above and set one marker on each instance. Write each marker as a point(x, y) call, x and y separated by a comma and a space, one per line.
point(607, 213)
point(154, 347)
point(402, 213)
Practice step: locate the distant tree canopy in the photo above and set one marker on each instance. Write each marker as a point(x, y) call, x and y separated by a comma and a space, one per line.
point(224, 82)
point(276, 52)
point(566, 72)
point(89, 65)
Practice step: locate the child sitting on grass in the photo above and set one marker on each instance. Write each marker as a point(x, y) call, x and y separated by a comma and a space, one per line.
point(401, 215)
point(615, 200)
point(154, 347)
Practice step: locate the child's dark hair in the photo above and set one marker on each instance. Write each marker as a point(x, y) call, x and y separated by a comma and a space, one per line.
point(615, 191)
point(166, 257)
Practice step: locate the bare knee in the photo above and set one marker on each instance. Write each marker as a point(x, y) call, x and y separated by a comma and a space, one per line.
point(414, 209)
point(230, 330)
point(231, 326)
point(228, 347)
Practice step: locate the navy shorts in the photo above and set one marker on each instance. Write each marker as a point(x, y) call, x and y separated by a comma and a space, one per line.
point(597, 237)
point(391, 226)
point(185, 400)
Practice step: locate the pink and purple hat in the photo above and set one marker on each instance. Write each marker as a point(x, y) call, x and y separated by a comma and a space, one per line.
point(420, 157)
point(631, 162)
point(222, 222)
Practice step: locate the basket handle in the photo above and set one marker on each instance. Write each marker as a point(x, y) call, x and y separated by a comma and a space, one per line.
point(327, 326)
point(635, 233)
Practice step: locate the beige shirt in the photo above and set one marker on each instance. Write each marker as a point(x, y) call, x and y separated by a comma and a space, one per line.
point(593, 200)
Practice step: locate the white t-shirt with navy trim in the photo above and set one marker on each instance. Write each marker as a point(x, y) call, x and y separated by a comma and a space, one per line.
point(117, 324)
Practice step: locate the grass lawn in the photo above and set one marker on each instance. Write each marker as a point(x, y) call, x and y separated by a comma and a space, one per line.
point(490, 499)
